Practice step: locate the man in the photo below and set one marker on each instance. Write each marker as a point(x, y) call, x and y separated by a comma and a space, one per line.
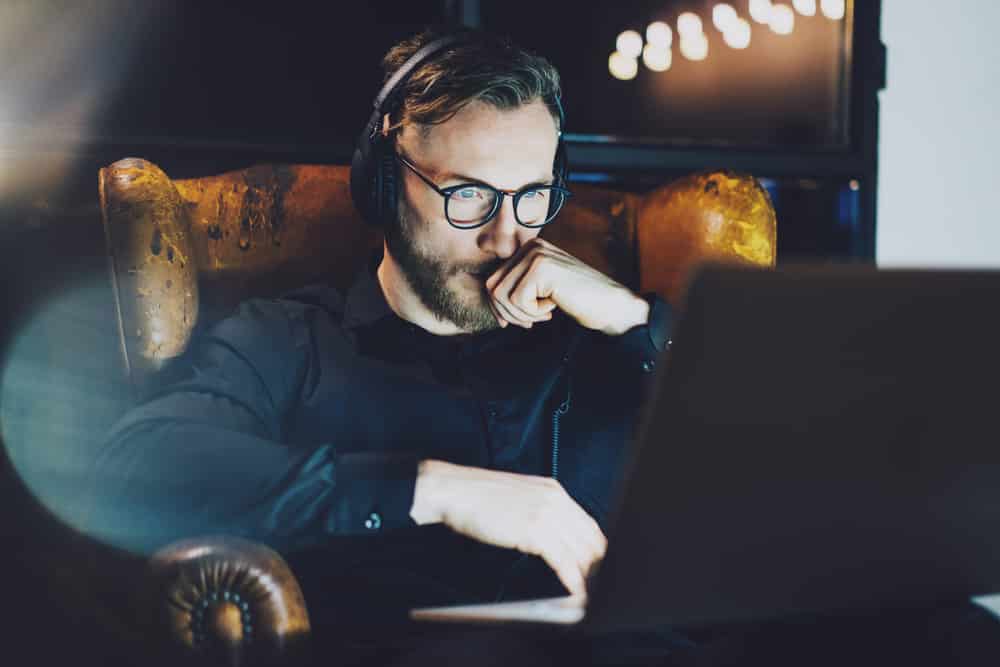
point(458, 415)
point(450, 429)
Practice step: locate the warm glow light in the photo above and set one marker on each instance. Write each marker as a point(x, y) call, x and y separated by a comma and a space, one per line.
point(738, 35)
point(854, 185)
point(694, 47)
point(688, 24)
point(724, 16)
point(659, 34)
point(657, 58)
point(833, 9)
point(629, 44)
point(805, 7)
point(782, 19)
point(622, 67)
point(760, 11)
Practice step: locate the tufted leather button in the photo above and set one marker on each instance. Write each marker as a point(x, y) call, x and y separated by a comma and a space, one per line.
point(648, 365)
point(374, 521)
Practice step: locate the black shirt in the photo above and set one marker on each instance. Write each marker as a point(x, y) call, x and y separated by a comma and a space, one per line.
point(304, 417)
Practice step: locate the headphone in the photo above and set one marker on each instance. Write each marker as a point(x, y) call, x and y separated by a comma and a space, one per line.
point(374, 168)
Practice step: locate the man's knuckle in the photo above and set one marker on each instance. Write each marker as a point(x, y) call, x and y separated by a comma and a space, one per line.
point(538, 264)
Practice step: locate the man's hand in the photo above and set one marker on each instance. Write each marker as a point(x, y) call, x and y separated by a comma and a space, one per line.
point(541, 277)
point(532, 514)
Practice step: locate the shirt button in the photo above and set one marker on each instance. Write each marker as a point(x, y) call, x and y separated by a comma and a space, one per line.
point(374, 521)
point(648, 365)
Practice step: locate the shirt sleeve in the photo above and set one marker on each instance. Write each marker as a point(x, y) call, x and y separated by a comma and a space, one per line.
point(644, 344)
point(206, 456)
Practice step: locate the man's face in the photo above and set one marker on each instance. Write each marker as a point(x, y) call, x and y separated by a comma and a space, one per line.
point(447, 267)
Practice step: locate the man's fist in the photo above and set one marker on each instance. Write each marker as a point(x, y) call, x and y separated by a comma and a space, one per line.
point(541, 277)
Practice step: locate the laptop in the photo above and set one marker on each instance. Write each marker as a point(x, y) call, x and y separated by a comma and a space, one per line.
point(817, 439)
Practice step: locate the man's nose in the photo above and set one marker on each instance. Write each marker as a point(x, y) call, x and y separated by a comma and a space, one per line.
point(501, 236)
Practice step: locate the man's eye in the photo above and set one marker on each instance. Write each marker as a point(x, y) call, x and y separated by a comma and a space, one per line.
point(468, 193)
point(534, 194)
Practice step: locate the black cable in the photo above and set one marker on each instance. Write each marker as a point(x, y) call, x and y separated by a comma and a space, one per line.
point(556, 416)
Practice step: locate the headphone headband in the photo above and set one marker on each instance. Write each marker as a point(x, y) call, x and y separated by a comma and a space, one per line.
point(411, 64)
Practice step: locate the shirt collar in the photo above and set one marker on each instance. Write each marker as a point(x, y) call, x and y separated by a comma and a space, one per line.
point(366, 302)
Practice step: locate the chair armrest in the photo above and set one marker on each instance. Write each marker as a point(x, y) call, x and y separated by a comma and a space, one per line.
point(153, 267)
point(229, 600)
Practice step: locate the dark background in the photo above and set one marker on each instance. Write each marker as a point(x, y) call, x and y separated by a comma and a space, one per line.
point(301, 77)
point(203, 87)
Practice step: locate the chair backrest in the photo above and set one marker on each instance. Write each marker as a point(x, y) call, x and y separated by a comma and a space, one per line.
point(183, 253)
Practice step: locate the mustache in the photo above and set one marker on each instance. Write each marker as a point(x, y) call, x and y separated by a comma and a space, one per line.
point(484, 269)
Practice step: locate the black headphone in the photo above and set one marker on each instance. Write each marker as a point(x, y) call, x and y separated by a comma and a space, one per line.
point(374, 168)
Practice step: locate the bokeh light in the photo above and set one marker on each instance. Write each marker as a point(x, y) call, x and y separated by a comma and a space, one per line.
point(689, 24)
point(782, 19)
point(760, 11)
point(629, 44)
point(738, 35)
point(833, 9)
point(622, 67)
point(805, 7)
point(656, 57)
point(694, 46)
point(659, 33)
point(724, 16)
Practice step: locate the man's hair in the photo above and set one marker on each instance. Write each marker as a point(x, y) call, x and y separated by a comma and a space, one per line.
point(487, 68)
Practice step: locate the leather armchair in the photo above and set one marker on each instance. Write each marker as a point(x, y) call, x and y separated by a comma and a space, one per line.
point(183, 253)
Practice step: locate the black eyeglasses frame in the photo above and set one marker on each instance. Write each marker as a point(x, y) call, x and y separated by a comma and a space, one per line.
point(498, 202)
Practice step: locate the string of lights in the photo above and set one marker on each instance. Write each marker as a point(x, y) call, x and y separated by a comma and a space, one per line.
point(692, 42)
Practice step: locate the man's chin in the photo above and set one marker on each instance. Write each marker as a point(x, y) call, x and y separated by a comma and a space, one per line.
point(459, 298)
point(475, 315)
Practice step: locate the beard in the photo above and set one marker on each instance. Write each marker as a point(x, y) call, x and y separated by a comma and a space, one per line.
point(430, 277)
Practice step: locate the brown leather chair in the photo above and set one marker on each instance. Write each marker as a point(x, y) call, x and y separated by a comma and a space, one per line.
point(183, 253)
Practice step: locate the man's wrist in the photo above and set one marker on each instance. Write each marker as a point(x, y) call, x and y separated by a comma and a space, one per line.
point(633, 314)
point(426, 506)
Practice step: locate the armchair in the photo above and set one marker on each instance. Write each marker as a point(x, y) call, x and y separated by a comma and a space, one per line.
point(183, 253)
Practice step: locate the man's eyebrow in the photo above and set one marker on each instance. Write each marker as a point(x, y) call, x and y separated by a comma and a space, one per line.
point(449, 176)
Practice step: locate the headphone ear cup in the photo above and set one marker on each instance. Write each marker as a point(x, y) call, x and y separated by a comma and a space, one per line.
point(361, 181)
point(388, 178)
point(364, 172)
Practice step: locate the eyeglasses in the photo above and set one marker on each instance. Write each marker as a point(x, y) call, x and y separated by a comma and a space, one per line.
point(471, 205)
